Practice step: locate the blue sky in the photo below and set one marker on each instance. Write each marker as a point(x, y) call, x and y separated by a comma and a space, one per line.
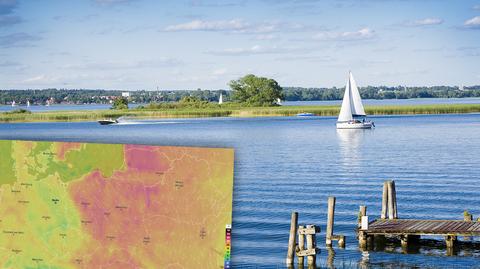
point(189, 44)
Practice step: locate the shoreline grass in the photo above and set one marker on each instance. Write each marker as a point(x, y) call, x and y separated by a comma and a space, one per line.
point(231, 111)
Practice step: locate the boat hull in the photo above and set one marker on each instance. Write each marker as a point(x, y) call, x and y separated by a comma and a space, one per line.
point(305, 114)
point(107, 122)
point(355, 125)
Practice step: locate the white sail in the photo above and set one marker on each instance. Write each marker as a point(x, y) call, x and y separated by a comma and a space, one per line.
point(220, 100)
point(13, 103)
point(28, 103)
point(357, 107)
point(346, 110)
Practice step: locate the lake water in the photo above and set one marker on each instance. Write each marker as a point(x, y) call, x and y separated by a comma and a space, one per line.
point(385, 102)
point(287, 164)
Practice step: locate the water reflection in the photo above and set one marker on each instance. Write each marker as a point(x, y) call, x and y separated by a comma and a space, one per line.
point(350, 143)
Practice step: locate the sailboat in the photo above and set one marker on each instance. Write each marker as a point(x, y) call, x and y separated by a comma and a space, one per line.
point(352, 115)
point(13, 103)
point(220, 100)
point(28, 103)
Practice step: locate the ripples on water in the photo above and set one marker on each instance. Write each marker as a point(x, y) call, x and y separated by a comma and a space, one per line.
point(294, 164)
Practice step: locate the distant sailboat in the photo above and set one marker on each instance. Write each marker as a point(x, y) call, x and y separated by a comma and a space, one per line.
point(352, 115)
point(279, 101)
point(13, 103)
point(28, 103)
point(220, 100)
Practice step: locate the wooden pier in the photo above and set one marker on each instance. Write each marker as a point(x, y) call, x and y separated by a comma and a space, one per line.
point(410, 230)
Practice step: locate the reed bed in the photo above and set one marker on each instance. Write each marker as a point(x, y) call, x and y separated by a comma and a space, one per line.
point(231, 111)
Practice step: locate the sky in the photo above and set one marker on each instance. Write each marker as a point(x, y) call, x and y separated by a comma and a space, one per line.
point(190, 44)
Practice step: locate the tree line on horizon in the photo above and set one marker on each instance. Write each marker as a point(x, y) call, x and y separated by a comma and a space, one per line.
point(99, 96)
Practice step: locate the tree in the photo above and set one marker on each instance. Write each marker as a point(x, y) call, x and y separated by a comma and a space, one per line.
point(120, 103)
point(256, 91)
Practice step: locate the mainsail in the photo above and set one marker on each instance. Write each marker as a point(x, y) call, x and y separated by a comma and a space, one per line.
point(352, 103)
point(220, 100)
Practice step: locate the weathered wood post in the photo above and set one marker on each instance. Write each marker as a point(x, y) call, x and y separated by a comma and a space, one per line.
point(291, 239)
point(311, 244)
point(450, 240)
point(331, 258)
point(330, 221)
point(301, 246)
point(362, 212)
point(311, 251)
point(362, 239)
point(384, 200)
point(469, 218)
point(394, 191)
point(390, 200)
point(404, 240)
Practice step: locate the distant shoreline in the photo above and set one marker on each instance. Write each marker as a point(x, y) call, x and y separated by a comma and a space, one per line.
point(94, 115)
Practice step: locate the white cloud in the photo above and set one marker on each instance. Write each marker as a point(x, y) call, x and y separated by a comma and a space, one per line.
point(425, 22)
point(200, 25)
point(257, 49)
point(362, 34)
point(473, 22)
point(40, 79)
point(154, 63)
point(235, 26)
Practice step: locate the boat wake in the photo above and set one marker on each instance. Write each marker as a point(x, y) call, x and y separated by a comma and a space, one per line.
point(145, 122)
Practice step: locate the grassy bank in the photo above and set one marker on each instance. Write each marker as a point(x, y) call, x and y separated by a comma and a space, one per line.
point(92, 115)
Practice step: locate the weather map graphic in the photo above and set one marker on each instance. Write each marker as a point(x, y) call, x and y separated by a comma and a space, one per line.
point(85, 205)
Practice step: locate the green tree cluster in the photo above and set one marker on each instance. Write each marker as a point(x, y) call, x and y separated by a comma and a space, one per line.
point(120, 103)
point(256, 91)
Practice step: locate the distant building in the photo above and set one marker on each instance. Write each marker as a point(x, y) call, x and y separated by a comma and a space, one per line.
point(125, 94)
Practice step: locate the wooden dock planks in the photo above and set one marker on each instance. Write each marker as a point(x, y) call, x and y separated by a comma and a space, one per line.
point(409, 226)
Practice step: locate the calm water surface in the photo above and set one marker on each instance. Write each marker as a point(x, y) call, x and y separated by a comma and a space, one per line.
point(288, 163)
point(387, 102)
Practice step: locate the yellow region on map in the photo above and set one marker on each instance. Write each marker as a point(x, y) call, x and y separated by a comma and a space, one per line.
point(84, 205)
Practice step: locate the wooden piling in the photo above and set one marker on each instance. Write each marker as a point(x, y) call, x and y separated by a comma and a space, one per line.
point(467, 217)
point(404, 241)
point(362, 239)
point(301, 246)
point(291, 239)
point(384, 200)
point(330, 221)
point(450, 241)
point(331, 258)
point(341, 241)
point(394, 202)
point(311, 244)
point(390, 200)
point(362, 212)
